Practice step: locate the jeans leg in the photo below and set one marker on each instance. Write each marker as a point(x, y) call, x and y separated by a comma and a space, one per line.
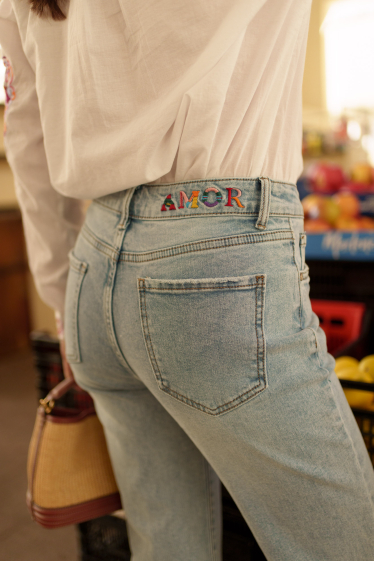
point(290, 455)
point(294, 462)
point(220, 333)
point(170, 494)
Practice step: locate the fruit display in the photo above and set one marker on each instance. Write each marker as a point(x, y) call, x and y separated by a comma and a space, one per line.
point(336, 201)
point(325, 177)
point(349, 368)
point(327, 143)
point(362, 173)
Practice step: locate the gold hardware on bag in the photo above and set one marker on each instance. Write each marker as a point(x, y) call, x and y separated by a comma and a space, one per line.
point(48, 405)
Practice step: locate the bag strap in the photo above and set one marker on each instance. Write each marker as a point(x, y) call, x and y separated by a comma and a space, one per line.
point(58, 391)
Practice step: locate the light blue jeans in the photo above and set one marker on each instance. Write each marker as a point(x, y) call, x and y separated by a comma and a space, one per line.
point(188, 320)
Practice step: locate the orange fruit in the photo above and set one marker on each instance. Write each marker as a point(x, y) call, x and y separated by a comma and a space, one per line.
point(347, 223)
point(348, 203)
point(317, 225)
point(366, 223)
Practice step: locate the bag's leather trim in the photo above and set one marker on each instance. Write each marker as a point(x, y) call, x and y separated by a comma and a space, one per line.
point(30, 489)
point(61, 389)
point(74, 514)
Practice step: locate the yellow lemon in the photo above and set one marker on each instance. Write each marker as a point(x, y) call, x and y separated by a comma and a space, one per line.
point(367, 366)
point(364, 377)
point(344, 362)
point(348, 373)
point(359, 398)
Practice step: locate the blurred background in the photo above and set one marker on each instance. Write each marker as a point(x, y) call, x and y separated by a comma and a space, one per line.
point(337, 191)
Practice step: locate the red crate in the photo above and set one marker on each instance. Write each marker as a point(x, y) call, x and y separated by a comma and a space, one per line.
point(342, 322)
point(346, 325)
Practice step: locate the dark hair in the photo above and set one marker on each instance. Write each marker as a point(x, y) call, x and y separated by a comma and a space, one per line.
point(48, 8)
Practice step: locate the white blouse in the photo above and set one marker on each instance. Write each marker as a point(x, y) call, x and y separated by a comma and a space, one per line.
point(127, 92)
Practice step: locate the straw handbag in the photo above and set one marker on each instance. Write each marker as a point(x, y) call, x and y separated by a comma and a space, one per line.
point(70, 476)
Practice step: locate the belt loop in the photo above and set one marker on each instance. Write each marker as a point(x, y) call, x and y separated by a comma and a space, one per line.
point(124, 219)
point(125, 204)
point(264, 212)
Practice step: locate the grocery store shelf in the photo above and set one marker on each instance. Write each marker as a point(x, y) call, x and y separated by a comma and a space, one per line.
point(338, 245)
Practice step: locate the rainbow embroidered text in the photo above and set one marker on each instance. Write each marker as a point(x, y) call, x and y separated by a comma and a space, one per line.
point(193, 201)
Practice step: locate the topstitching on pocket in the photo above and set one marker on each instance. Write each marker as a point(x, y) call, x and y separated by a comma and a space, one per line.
point(205, 338)
point(76, 275)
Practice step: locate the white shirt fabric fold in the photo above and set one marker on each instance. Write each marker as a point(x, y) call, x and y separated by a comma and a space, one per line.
point(123, 93)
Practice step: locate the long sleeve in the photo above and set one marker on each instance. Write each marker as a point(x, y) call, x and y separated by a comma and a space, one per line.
point(51, 221)
point(160, 91)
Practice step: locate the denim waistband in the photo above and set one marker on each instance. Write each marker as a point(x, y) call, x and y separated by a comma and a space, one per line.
point(261, 197)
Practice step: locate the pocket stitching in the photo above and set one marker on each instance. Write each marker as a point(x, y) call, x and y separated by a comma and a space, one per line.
point(146, 332)
point(209, 244)
point(205, 287)
point(80, 270)
point(76, 263)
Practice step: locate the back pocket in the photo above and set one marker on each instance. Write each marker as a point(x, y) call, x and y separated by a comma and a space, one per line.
point(205, 338)
point(76, 275)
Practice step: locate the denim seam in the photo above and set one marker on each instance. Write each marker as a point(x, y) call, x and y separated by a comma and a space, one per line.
point(180, 397)
point(81, 269)
point(148, 340)
point(270, 236)
point(98, 244)
point(106, 314)
point(76, 357)
point(76, 264)
point(262, 332)
point(228, 287)
point(257, 341)
point(178, 250)
point(227, 213)
point(109, 287)
point(96, 201)
point(298, 271)
point(107, 303)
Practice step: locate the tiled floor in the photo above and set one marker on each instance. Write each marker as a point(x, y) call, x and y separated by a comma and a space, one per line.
point(21, 539)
